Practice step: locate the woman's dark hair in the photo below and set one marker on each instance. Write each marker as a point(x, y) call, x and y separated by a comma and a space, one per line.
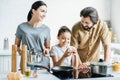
point(90, 12)
point(63, 29)
point(35, 6)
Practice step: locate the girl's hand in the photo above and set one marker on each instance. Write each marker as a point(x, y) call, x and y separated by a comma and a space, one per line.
point(67, 53)
point(73, 50)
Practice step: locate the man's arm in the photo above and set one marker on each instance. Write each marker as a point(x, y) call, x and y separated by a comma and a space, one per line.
point(105, 37)
point(107, 52)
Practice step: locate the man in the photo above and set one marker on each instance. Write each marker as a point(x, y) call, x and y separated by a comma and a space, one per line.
point(87, 35)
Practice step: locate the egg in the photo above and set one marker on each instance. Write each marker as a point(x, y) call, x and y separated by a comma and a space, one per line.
point(18, 76)
point(14, 76)
point(11, 76)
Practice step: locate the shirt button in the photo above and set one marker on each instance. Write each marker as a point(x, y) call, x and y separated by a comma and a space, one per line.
point(90, 44)
point(87, 56)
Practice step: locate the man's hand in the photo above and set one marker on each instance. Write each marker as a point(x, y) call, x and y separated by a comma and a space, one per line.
point(83, 67)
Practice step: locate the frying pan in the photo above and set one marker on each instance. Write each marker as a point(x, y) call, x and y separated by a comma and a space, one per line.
point(62, 72)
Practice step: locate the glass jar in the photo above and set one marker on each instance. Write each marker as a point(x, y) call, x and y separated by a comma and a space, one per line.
point(28, 72)
point(35, 73)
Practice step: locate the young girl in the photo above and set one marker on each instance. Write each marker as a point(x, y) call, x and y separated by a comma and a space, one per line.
point(62, 53)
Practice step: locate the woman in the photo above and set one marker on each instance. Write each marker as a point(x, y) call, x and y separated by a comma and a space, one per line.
point(34, 33)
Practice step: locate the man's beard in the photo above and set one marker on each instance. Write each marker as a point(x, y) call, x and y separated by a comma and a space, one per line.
point(87, 28)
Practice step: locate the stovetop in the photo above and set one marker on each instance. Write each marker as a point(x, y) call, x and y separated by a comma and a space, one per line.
point(99, 75)
point(93, 76)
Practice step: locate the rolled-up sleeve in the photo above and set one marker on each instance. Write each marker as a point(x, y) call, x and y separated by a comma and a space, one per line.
point(48, 37)
point(74, 41)
point(105, 36)
point(18, 33)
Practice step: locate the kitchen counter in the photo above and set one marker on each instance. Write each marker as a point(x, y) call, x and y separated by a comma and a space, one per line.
point(5, 60)
point(44, 75)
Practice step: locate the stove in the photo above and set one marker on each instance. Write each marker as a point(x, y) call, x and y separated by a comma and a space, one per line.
point(100, 75)
point(63, 77)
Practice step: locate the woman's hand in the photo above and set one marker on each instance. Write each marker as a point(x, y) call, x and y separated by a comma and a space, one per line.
point(46, 52)
point(19, 51)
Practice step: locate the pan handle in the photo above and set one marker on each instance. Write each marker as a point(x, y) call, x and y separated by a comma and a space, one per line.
point(39, 66)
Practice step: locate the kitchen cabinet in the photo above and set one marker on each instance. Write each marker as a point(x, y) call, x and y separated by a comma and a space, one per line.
point(5, 61)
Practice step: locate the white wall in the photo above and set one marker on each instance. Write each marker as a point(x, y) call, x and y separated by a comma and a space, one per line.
point(115, 17)
point(60, 12)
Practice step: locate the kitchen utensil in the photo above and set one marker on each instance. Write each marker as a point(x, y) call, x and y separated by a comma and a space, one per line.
point(35, 73)
point(102, 68)
point(62, 72)
point(27, 72)
point(34, 57)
